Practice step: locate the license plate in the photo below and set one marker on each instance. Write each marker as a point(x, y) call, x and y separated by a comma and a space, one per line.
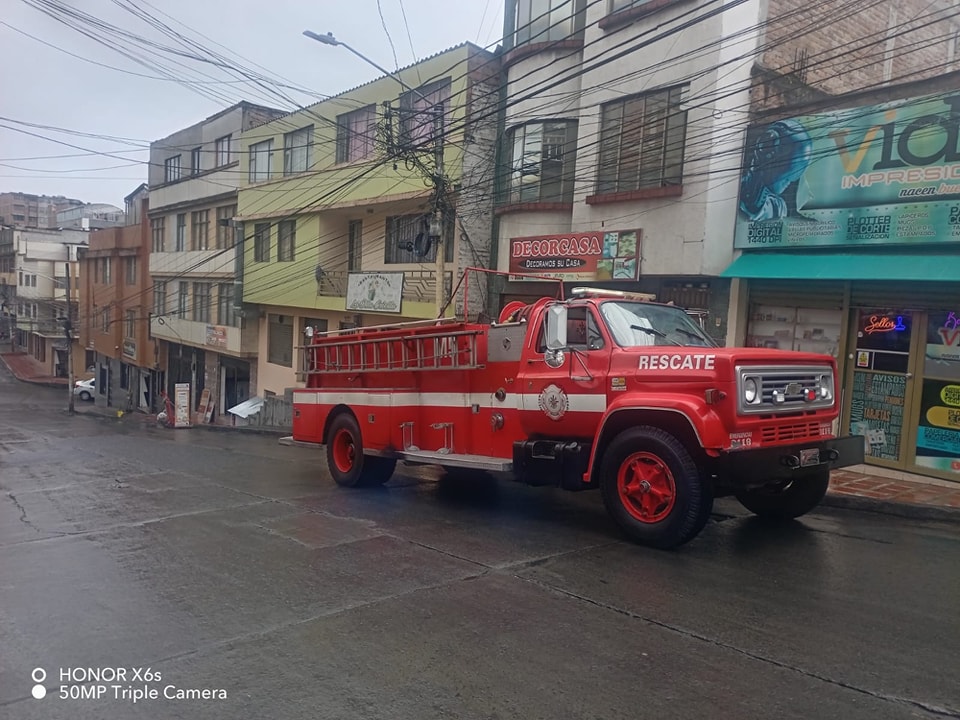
point(809, 457)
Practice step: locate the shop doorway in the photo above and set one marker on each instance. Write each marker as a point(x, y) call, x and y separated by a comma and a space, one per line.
point(936, 441)
point(880, 383)
point(234, 382)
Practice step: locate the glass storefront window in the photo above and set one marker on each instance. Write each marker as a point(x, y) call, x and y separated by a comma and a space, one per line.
point(938, 427)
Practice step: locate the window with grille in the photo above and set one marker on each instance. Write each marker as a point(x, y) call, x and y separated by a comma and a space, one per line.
point(105, 320)
point(261, 161)
point(225, 232)
point(261, 242)
point(356, 132)
point(160, 297)
point(226, 311)
point(355, 246)
point(107, 269)
point(641, 142)
point(280, 340)
point(222, 150)
point(297, 150)
point(200, 229)
point(156, 233)
point(286, 240)
point(171, 169)
point(423, 113)
point(543, 160)
point(201, 302)
point(403, 245)
point(131, 324)
point(181, 240)
point(195, 160)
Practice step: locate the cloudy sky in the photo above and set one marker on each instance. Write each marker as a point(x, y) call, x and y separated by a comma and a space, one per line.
point(62, 78)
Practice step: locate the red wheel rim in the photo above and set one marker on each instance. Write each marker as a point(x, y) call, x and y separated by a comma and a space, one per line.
point(344, 451)
point(646, 487)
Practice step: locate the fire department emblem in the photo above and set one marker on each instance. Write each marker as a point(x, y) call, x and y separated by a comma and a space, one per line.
point(554, 402)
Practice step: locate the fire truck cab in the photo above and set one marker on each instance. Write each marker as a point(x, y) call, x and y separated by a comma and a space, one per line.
point(606, 389)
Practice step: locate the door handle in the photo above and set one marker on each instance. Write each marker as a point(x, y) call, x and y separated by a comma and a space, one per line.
point(908, 375)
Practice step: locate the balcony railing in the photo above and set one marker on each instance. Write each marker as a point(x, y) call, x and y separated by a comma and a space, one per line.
point(418, 285)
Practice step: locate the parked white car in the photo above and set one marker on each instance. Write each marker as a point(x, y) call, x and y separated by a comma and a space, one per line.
point(85, 388)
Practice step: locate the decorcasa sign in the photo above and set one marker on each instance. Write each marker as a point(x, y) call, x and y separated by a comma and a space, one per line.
point(600, 255)
point(874, 175)
point(375, 291)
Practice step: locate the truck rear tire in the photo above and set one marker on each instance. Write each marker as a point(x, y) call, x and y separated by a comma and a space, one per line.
point(345, 459)
point(785, 502)
point(653, 489)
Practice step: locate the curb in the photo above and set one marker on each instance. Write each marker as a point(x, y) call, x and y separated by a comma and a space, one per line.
point(890, 507)
point(251, 429)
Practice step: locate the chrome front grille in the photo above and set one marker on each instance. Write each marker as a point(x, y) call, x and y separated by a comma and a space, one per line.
point(783, 389)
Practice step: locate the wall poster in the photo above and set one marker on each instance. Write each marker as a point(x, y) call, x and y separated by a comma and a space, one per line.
point(938, 431)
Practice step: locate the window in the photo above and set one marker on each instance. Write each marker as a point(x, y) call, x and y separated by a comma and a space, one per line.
point(583, 331)
point(356, 132)
point(107, 271)
point(33, 278)
point(280, 340)
point(226, 312)
point(105, 320)
point(548, 20)
point(157, 233)
point(261, 242)
point(124, 376)
point(171, 169)
point(422, 112)
point(297, 150)
point(131, 270)
point(355, 246)
point(401, 240)
point(182, 294)
point(641, 142)
point(261, 157)
point(224, 231)
point(195, 159)
point(160, 297)
point(222, 151)
point(181, 240)
point(131, 324)
point(542, 162)
point(618, 5)
point(201, 302)
point(200, 230)
point(286, 240)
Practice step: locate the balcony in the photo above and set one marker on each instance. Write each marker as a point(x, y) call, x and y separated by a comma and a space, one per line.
point(195, 263)
point(216, 338)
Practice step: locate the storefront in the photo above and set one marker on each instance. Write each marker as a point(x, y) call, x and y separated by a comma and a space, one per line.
point(850, 231)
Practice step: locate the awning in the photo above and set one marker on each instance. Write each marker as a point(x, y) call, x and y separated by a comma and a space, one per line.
point(844, 266)
point(247, 407)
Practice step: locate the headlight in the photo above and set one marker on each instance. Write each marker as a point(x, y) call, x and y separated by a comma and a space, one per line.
point(750, 390)
point(826, 386)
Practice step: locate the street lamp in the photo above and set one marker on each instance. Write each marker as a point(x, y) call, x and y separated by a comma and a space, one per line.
point(436, 224)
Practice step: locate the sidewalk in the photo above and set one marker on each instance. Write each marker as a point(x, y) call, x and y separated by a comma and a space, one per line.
point(858, 488)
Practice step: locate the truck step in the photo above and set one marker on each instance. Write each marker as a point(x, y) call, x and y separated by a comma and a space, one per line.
point(474, 462)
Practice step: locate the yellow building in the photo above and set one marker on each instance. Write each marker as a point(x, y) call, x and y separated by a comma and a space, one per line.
point(337, 202)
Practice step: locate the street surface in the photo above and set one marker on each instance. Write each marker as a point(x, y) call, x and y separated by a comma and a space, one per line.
point(223, 561)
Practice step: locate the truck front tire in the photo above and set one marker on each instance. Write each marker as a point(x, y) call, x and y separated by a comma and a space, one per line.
point(785, 502)
point(653, 489)
point(348, 466)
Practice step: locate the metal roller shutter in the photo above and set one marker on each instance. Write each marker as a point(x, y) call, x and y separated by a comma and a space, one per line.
point(905, 296)
point(797, 293)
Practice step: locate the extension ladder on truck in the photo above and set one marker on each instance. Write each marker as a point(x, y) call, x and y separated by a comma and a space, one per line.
point(434, 345)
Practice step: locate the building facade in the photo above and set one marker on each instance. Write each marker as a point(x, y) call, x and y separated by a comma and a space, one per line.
point(90, 216)
point(115, 299)
point(36, 211)
point(343, 213)
point(193, 178)
point(46, 295)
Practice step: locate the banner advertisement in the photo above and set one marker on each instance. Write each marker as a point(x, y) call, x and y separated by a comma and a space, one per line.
point(216, 336)
point(599, 255)
point(875, 175)
point(375, 291)
point(181, 405)
point(938, 433)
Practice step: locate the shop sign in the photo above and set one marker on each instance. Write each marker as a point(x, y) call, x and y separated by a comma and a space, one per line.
point(130, 348)
point(874, 175)
point(216, 336)
point(600, 255)
point(942, 356)
point(375, 292)
point(181, 405)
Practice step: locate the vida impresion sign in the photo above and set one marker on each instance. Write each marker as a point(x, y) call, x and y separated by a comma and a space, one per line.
point(876, 175)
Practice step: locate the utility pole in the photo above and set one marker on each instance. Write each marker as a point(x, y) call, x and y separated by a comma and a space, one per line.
point(439, 200)
point(67, 331)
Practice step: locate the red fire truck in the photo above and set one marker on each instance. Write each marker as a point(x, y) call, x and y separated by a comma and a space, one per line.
point(605, 389)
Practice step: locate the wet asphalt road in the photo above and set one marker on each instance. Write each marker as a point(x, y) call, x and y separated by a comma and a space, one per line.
point(227, 562)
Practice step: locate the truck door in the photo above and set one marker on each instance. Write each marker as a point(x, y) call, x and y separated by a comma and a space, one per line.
point(566, 401)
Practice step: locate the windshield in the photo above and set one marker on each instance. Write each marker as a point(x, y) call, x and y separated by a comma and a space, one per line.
point(639, 324)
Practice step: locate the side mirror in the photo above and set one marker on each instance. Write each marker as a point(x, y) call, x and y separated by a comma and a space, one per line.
point(556, 338)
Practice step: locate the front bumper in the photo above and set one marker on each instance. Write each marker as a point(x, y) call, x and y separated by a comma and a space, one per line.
point(752, 467)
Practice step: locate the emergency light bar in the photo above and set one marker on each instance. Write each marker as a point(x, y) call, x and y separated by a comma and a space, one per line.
point(601, 292)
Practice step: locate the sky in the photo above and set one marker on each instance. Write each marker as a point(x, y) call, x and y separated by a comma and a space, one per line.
point(61, 78)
